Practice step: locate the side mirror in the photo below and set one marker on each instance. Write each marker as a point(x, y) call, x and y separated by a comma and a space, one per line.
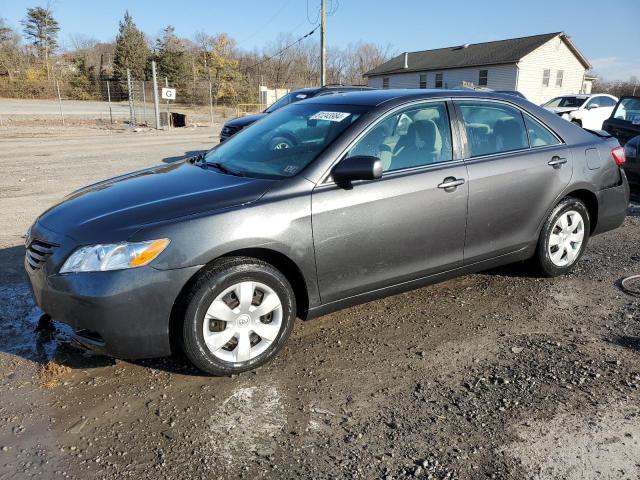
point(592, 106)
point(360, 167)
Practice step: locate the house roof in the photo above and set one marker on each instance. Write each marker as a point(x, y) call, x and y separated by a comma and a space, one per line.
point(472, 55)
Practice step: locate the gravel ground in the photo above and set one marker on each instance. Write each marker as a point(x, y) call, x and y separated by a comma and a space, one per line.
point(495, 375)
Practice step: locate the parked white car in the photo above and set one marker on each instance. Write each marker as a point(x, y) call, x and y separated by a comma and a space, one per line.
point(588, 111)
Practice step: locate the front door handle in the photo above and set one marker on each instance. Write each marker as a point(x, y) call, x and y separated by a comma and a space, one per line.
point(557, 162)
point(449, 184)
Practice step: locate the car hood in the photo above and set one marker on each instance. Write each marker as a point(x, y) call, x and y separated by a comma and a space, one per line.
point(244, 121)
point(114, 209)
point(562, 109)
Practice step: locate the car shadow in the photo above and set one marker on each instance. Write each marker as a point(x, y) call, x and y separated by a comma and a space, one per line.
point(514, 270)
point(178, 158)
point(632, 343)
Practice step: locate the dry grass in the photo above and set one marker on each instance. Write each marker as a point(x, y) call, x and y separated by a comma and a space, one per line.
point(52, 374)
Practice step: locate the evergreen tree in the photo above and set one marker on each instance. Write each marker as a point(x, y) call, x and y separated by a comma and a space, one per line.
point(131, 51)
point(172, 58)
point(41, 29)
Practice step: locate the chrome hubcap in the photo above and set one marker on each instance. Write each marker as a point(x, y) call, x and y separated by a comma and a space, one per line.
point(242, 321)
point(567, 236)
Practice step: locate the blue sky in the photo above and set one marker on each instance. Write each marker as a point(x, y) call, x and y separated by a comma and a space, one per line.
point(609, 39)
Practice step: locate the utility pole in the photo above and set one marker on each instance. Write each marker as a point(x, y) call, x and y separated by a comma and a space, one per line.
point(323, 45)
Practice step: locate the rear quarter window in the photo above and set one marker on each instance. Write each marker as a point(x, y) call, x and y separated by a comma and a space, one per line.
point(628, 109)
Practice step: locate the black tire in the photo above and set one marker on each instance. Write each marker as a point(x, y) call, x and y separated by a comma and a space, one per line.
point(223, 274)
point(542, 257)
point(577, 123)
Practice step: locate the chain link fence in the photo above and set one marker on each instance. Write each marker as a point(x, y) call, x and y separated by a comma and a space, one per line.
point(110, 102)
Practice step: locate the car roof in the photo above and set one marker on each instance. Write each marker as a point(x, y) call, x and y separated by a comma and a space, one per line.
point(571, 95)
point(374, 98)
point(312, 91)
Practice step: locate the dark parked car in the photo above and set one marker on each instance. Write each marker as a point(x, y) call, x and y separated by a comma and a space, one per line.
point(233, 126)
point(624, 124)
point(386, 191)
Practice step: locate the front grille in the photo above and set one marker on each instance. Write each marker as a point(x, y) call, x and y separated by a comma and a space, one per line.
point(37, 253)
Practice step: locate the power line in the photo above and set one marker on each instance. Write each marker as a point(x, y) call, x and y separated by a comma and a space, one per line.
point(268, 22)
point(284, 49)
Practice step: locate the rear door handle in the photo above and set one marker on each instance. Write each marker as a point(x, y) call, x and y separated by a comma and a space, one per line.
point(557, 162)
point(451, 183)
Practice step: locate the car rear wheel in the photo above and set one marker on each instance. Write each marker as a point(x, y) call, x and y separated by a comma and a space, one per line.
point(563, 238)
point(239, 315)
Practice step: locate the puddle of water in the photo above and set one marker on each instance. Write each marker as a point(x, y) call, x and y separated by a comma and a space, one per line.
point(18, 321)
point(246, 422)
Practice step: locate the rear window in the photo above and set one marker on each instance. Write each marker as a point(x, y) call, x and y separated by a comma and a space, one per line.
point(628, 109)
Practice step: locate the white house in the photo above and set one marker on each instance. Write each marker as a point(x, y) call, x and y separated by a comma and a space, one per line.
point(541, 67)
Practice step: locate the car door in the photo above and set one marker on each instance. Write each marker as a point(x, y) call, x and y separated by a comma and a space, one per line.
point(517, 167)
point(408, 224)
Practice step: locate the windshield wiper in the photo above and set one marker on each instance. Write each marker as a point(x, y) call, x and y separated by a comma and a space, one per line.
point(224, 169)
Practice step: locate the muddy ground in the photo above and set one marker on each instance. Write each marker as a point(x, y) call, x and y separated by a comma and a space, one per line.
point(496, 375)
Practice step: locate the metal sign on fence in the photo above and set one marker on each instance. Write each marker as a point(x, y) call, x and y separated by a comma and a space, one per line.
point(168, 93)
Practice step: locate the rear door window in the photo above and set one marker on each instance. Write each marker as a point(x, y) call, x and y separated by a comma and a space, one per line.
point(492, 127)
point(539, 135)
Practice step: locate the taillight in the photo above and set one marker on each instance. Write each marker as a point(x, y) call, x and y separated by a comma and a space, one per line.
point(618, 156)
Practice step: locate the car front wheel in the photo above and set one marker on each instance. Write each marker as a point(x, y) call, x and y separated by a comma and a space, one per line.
point(239, 315)
point(563, 238)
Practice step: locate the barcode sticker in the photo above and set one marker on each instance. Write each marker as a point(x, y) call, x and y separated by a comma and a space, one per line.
point(330, 116)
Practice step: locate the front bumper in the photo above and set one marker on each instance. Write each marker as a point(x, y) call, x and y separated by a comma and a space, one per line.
point(612, 205)
point(123, 313)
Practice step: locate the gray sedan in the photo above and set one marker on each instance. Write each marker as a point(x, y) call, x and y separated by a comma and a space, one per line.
point(323, 204)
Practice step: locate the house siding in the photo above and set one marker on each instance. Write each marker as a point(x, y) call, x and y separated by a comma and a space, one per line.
point(554, 55)
point(500, 77)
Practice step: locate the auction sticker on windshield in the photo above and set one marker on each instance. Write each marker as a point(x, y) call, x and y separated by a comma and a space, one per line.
point(331, 116)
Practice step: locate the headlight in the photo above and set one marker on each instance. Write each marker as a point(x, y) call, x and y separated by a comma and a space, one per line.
point(115, 256)
point(566, 116)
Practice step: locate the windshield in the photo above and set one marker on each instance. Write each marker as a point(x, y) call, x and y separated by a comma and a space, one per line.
point(566, 102)
point(282, 144)
point(628, 109)
point(286, 100)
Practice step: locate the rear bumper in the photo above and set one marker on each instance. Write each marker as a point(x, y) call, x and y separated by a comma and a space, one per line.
point(122, 313)
point(612, 206)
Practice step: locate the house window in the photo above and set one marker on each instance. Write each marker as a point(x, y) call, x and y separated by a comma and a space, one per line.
point(482, 78)
point(423, 81)
point(385, 82)
point(545, 77)
point(559, 77)
point(438, 80)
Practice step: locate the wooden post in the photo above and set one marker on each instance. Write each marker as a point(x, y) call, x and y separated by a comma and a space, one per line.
point(109, 100)
point(211, 102)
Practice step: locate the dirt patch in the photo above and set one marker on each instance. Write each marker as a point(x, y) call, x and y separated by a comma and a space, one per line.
point(53, 374)
point(601, 443)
